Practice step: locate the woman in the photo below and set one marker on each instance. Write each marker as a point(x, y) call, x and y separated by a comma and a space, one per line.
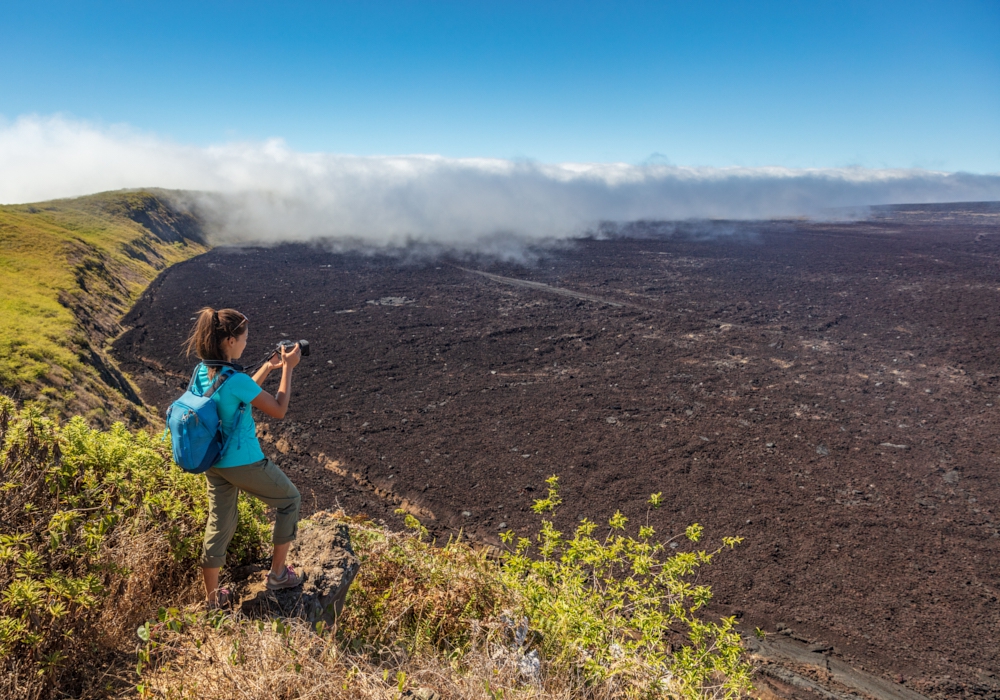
point(222, 335)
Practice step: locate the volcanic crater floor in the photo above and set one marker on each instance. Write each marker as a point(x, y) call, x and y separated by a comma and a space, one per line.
point(830, 392)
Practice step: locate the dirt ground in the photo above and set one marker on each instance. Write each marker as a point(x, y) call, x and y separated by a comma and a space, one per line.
point(828, 391)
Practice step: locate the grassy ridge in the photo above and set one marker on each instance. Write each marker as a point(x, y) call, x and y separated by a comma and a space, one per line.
point(69, 269)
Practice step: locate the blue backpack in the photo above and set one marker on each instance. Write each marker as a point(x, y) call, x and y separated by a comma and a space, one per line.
point(193, 422)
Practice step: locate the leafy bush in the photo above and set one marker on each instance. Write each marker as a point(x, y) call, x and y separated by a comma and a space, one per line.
point(620, 609)
point(96, 527)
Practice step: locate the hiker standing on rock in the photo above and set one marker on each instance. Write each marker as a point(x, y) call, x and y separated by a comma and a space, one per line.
point(221, 337)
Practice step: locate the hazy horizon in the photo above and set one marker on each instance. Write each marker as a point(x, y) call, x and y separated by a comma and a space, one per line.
point(267, 192)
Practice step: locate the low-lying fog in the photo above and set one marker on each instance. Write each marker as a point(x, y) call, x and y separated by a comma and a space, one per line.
point(266, 192)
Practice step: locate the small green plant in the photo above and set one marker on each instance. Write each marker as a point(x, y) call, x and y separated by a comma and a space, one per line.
point(615, 606)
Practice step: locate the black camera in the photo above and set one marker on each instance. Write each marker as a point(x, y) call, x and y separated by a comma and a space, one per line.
point(303, 344)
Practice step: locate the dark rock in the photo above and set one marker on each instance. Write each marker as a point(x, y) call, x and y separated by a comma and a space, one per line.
point(323, 554)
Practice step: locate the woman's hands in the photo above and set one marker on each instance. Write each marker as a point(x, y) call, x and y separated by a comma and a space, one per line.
point(276, 406)
point(290, 358)
point(274, 361)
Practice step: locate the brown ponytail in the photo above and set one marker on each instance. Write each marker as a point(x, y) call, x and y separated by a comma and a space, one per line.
point(211, 328)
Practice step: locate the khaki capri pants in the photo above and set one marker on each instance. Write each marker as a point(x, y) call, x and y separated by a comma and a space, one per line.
point(262, 479)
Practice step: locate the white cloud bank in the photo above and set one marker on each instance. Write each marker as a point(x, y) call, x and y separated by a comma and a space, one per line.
point(269, 192)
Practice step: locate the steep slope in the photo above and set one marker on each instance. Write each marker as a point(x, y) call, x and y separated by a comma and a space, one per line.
point(69, 269)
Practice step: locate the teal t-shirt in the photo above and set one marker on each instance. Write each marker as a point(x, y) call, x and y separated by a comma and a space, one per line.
point(239, 388)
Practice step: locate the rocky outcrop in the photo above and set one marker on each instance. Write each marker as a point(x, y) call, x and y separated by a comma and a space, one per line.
point(323, 553)
point(166, 214)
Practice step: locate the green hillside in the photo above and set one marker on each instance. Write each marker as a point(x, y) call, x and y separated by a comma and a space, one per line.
point(69, 269)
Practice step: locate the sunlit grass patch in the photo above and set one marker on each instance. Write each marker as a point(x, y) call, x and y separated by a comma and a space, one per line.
point(58, 258)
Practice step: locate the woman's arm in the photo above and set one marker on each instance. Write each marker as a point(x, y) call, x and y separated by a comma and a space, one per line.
point(276, 406)
point(273, 362)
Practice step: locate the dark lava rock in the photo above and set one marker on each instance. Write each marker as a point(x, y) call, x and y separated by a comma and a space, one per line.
point(323, 553)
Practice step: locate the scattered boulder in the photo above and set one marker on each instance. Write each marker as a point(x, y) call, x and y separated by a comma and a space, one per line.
point(391, 301)
point(323, 554)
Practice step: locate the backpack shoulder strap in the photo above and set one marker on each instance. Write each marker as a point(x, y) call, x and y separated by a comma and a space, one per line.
point(194, 376)
point(220, 379)
point(235, 430)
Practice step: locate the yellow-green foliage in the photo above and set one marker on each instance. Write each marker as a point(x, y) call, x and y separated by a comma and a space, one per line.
point(95, 527)
point(621, 608)
point(70, 253)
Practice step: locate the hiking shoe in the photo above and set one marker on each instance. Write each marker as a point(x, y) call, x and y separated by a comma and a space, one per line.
point(223, 601)
point(289, 579)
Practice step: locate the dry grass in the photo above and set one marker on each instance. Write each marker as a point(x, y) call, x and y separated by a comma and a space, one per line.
point(445, 618)
point(256, 661)
point(418, 594)
point(418, 615)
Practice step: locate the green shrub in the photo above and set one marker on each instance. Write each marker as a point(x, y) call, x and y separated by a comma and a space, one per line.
point(620, 609)
point(97, 526)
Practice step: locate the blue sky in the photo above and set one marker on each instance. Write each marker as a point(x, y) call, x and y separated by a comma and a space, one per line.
point(796, 84)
